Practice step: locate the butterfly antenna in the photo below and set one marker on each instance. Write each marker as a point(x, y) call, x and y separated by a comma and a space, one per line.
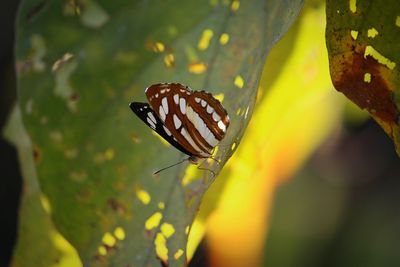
point(171, 166)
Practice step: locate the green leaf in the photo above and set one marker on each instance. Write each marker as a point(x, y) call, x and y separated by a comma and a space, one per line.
point(363, 43)
point(38, 244)
point(80, 63)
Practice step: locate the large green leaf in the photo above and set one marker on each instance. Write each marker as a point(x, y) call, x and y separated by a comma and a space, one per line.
point(363, 40)
point(79, 65)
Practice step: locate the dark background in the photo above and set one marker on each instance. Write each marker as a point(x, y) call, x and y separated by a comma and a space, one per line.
point(11, 178)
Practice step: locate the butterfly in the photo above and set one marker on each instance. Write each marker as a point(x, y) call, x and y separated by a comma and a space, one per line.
point(192, 121)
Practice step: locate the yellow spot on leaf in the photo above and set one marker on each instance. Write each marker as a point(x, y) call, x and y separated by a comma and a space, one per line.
point(169, 60)
point(119, 233)
point(172, 30)
point(143, 196)
point(367, 77)
point(353, 5)
point(158, 47)
point(213, 2)
point(178, 254)
point(56, 136)
point(219, 97)
point(224, 39)
point(239, 82)
point(134, 138)
point(167, 229)
point(108, 239)
point(161, 248)
point(153, 221)
point(161, 205)
point(372, 32)
point(109, 154)
point(102, 251)
point(233, 146)
point(397, 21)
point(78, 176)
point(45, 203)
point(370, 51)
point(190, 175)
point(354, 34)
point(205, 39)
point(235, 5)
point(187, 229)
point(71, 153)
point(197, 68)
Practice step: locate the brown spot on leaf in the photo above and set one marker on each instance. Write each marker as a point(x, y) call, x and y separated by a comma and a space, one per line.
point(116, 206)
point(74, 97)
point(348, 70)
point(37, 155)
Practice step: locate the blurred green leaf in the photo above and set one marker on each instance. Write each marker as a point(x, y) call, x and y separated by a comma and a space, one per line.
point(80, 63)
point(363, 43)
point(39, 244)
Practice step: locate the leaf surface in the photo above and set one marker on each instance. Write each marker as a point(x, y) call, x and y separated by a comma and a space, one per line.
point(363, 40)
point(80, 64)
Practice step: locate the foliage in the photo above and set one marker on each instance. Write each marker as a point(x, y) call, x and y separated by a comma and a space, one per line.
point(79, 64)
point(363, 42)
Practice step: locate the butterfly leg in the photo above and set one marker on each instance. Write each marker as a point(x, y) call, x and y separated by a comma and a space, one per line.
point(205, 169)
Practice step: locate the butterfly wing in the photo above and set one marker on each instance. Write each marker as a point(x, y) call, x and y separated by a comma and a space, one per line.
point(196, 119)
point(148, 116)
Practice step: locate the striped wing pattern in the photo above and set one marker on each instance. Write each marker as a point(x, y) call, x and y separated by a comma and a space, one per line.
point(148, 116)
point(194, 120)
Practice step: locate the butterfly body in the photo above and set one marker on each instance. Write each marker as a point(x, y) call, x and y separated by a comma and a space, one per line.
point(194, 122)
